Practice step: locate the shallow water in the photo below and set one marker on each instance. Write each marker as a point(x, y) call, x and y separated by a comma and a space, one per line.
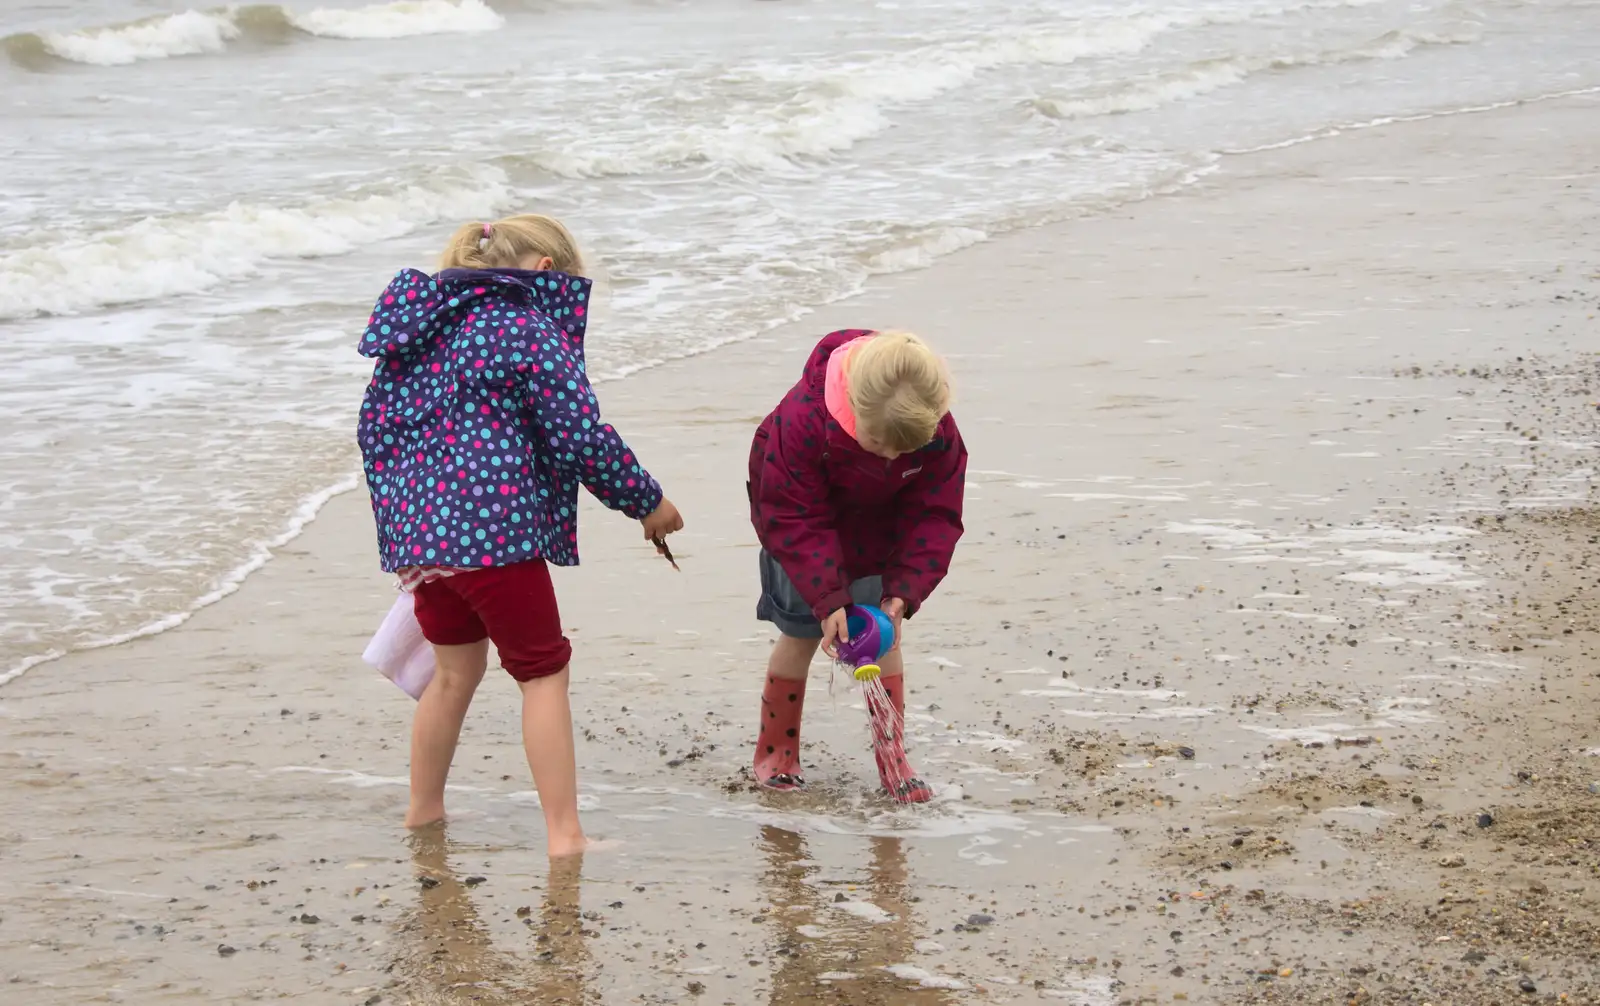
point(200, 204)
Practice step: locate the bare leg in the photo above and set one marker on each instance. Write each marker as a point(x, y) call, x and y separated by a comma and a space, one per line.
point(547, 738)
point(777, 755)
point(791, 658)
point(436, 726)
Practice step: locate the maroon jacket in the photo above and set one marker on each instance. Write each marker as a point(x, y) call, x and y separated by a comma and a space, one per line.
point(829, 512)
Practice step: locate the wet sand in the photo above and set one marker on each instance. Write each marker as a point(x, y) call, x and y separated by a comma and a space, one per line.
point(1277, 586)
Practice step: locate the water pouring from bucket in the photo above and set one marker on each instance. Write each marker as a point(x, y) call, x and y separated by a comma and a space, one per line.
point(871, 636)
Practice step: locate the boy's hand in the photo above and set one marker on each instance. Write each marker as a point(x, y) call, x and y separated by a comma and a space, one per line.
point(895, 608)
point(835, 630)
point(663, 522)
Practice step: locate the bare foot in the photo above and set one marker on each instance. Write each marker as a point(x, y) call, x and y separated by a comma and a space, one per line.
point(424, 816)
point(568, 845)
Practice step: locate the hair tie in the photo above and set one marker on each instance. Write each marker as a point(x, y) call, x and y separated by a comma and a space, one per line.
point(488, 235)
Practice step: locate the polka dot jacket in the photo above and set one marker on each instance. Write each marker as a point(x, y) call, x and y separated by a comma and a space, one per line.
point(480, 421)
point(830, 512)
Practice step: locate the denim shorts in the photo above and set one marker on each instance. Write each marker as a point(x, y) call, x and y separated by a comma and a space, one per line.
point(782, 605)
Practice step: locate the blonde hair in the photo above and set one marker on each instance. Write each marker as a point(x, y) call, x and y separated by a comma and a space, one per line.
point(505, 243)
point(899, 390)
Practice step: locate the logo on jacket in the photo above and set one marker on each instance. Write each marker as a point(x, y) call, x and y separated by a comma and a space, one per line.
point(910, 472)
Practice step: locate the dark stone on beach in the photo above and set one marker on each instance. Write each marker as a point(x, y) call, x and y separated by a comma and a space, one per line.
point(615, 904)
point(373, 1000)
point(1226, 865)
point(1529, 987)
point(1236, 842)
point(839, 899)
point(980, 920)
point(428, 883)
point(309, 919)
point(695, 988)
point(674, 763)
point(223, 950)
point(475, 881)
point(1474, 957)
point(1485, 820)
point(358, 918)
point(1177, 972)
point(1186, 752)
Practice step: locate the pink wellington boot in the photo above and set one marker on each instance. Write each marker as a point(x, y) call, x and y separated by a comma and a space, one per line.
point(777, 758)
point(894, 771)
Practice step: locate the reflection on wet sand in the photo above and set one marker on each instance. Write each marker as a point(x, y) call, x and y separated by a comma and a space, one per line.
point(832, 942)
point(449, 954)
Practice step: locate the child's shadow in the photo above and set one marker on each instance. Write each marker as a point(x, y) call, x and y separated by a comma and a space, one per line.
point(455, 960)
point(813, 936)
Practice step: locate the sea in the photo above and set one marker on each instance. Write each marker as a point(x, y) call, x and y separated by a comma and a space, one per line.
point(199, 205)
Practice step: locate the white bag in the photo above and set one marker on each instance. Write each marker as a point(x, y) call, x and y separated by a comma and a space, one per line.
point(399, 651)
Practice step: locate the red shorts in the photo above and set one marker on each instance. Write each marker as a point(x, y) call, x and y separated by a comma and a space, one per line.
point(513, 607)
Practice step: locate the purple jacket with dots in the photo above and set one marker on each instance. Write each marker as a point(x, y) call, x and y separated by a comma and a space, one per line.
point(480, 422)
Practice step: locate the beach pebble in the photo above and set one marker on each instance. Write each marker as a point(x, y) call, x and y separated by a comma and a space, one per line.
point(1485, 820)
point(980, 920)
point(1186, 752)
point(1529, 987)
point(223, 950)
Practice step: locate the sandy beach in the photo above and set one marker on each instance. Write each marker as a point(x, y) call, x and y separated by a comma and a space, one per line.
point(1265, 673)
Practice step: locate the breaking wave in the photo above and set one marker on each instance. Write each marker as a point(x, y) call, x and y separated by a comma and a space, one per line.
point(163, 256)
point(1210, 75)
point(204, 32)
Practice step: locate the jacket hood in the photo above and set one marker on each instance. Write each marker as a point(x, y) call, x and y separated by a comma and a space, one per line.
point(418, 312)
point(816, 368)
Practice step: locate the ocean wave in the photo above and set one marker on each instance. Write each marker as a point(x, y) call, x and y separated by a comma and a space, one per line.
point(831, 107)
point(208, 32)
point(189, 33)
point(1205, 76)
point(400, 19)
point(229, 582)
point(163, 256)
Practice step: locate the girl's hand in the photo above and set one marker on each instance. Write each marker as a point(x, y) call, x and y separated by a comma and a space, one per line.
point(835, 630)
point(663, 522)
point(895, 608)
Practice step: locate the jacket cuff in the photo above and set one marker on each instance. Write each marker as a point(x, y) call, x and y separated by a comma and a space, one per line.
point(646, 503)
point(903, 590)
point(830, 603)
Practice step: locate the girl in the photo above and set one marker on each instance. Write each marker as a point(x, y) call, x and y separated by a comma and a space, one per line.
point(856, 484)
point(476, 429)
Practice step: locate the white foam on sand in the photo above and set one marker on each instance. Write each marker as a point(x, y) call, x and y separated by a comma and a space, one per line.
point(1093, 991)
point(925, 978)
point(865, 910)
point(1329, 546)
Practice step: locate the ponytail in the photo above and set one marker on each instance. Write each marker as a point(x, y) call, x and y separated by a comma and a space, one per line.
point(506, 243)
